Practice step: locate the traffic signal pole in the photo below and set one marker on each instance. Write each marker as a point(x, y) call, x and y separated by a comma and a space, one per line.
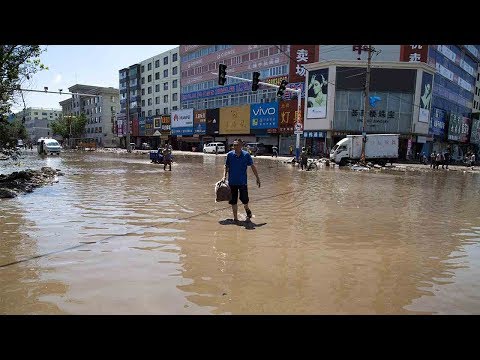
point(299, 107)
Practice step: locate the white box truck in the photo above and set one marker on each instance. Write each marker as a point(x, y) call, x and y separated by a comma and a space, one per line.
point(379, 148)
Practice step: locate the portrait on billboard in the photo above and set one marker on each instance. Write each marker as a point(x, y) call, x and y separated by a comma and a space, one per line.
point(425, 98)
point(317, 94)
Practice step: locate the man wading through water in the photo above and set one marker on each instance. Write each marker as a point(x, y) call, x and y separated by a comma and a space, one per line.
point(236, 166)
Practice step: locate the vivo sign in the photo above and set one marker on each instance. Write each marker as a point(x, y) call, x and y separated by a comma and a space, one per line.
point(264, 116)
point(261, 111)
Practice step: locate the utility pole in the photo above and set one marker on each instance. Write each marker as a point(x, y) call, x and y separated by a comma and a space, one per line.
point(366, 107)
point(127, 110)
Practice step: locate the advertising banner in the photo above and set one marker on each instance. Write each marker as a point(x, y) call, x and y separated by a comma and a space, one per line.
point(199, 122)
point(288, 116)
point(475, 135)
point(264, 116)
point(438, 123)
point(425, 98)
point(213, 120)
point(317, 94)
point(235, 120)
point(182, 122)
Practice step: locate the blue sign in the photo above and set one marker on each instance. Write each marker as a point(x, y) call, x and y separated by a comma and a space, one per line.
point(182, 131)
point(141, 126)
point(221, 90)
point(264, 116)
point(200, 128)
point(314, 134)
point(438, 123)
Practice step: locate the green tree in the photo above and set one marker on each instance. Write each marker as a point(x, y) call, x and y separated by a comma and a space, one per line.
point(69, 125)
point(17, 64)
point(11, 132)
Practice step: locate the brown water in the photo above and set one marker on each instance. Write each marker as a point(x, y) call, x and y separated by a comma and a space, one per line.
point(118, 235)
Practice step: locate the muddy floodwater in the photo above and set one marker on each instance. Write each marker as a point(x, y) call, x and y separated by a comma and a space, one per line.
point(118, 235)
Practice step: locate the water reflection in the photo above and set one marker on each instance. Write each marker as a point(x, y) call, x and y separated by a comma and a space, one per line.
point(329, 241)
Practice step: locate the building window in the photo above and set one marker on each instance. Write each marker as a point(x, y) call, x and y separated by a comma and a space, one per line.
point(143, 80)
point(149, 66)
point(174, 84)
point(157, 75)
point(149, 78)
point(165, 86)
point(149, 90)
point(165, 60)
point(157, 100)
point(157, 111)
point(143, 113)
point(143, 91)
point(157, 63)
point(150, 102)
point(165, 111)
point(175, 57)
point(175, 70)
point(142, 69)
point(143, 102)
point(149, 112)
point(165, 98)
point(174, 97)
point(165, 73)
point(174, 108)
point(157, 88)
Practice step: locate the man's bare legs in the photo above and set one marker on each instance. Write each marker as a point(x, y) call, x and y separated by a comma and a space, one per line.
point(235, 211)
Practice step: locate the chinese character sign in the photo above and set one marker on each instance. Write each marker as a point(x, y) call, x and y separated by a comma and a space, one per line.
point(414, 53)
point(301, 55)
point(425, 98)
point(317, 94)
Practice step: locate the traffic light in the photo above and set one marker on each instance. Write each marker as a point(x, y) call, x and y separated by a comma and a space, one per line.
point(222, 74)
point(281, 89)
point(256, 76)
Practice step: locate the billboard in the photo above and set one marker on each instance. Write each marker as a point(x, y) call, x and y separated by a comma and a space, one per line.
point(425, 98)
point(288, 115)
point(458, 128)
point(317, 94)
point(135, 127)
point(438, 123)
point(149, 126)
point(264, 116)
point(141, 126)
point(235, 120)
point(165, 128)
point(199, 122)
point(302, 54)
point(182, 122)
point(212, 119)
point(475, 134)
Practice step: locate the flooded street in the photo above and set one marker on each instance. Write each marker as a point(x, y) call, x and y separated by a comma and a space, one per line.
point(118, 235)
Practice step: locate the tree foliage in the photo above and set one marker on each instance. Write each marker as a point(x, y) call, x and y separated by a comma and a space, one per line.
point(17, 64)
point(66, 125)
point(11, 132)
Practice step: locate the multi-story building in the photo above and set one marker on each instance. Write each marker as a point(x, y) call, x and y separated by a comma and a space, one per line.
point(153, 89)
point(99, 104)
point(38, 121)
point(454, 97)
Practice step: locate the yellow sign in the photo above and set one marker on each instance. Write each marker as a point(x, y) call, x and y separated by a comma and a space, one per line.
point(235, 120)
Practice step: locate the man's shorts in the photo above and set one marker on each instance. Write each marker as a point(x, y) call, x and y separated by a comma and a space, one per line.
point(243, 194)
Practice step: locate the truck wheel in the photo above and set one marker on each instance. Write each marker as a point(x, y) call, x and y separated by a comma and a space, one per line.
point(342, 162)
point(382, 162)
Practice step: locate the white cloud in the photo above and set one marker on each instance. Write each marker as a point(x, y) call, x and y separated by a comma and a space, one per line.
point(57, 79)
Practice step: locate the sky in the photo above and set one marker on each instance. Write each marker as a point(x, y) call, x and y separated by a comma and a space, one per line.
point(68, 65)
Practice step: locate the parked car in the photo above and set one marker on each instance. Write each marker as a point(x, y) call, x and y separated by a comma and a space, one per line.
point(255, 148)
point(214, 147)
